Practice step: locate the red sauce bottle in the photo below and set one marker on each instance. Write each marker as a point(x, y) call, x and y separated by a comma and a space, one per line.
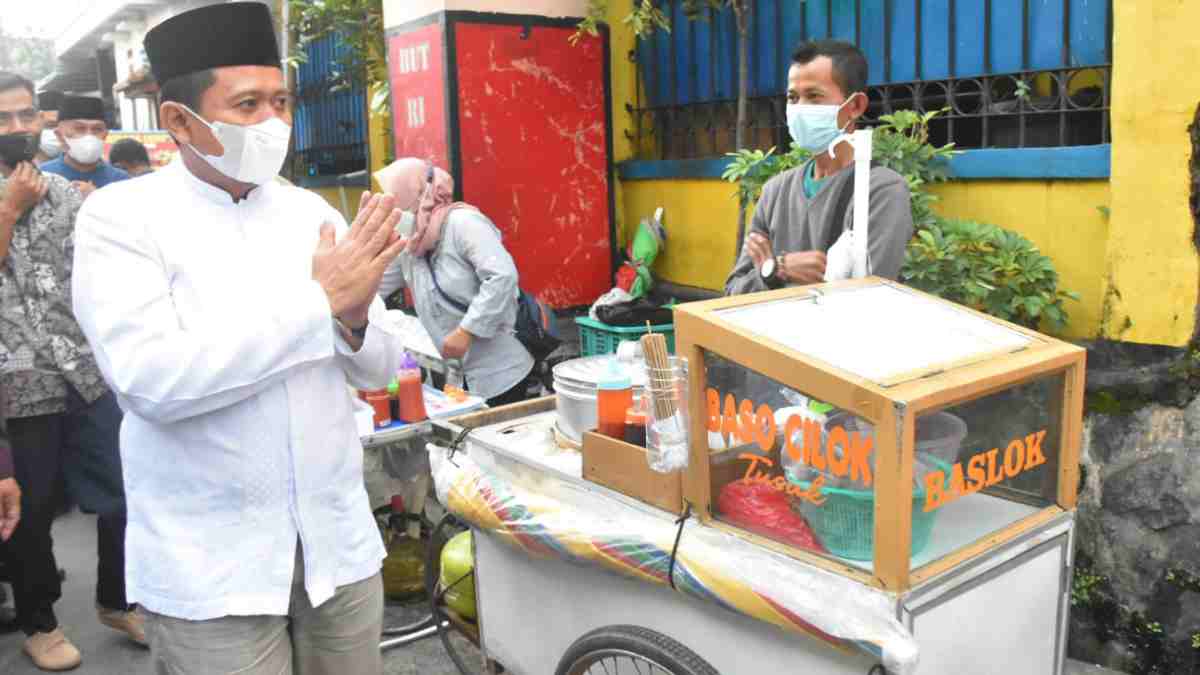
point(410, 392)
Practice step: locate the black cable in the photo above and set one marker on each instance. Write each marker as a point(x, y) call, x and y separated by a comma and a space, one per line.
point(687, 513)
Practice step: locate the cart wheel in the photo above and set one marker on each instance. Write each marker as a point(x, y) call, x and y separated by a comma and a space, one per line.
point(630, 650)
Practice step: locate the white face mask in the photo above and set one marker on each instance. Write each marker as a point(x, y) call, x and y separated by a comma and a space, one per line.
point(253, 154)
point(85, 149)
point(408, 221)
point(49, 144)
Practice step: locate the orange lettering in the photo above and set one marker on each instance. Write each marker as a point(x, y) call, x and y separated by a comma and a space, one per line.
point(935, 490)
point(746, 428)
point(714, 410)
point(860, 457)
point(764, 427)
point(995, 475)
point(754, 461)
point(839, 462)
point(812, 445)
point(1033, 450)
point(1014, 458)
point(957, 489)
point(790, 431)
point(977, 474)
point(729, 424)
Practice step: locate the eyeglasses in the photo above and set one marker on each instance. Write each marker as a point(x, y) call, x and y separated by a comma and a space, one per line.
point(26, 116)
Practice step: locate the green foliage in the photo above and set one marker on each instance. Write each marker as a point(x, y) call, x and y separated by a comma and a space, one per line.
point(1195, 640)
point(751, 169)
point(901, 143)
point(1084, 586)
point(359, 27)
point(644, 18)
point(989, 269)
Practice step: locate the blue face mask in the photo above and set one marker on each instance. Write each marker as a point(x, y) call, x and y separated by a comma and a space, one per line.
point(814, 127)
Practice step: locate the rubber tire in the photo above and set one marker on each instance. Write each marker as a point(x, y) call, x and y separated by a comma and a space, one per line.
point(641, 641)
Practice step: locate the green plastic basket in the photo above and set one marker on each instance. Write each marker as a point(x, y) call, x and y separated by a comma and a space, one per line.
point(596, 338)
point(845, 522)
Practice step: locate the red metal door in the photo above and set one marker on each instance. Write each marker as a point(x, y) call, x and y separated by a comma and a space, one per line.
point(534, 152)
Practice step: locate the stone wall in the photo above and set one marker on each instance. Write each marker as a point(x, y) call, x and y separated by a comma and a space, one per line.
point(1136, 600)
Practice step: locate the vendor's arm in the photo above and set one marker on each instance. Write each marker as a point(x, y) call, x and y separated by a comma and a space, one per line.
point(162, 371)
point(478, 241)
point(745, 277)
point(891, 223)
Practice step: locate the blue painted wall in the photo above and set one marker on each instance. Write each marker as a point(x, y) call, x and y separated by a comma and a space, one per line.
point(704, 53)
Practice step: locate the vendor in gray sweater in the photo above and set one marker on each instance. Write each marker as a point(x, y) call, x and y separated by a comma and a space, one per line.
point(463, 280)
point(797, 218)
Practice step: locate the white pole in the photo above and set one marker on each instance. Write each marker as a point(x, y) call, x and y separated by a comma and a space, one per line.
point(861, 140)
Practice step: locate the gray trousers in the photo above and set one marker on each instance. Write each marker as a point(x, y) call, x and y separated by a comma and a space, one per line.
point(341, 637)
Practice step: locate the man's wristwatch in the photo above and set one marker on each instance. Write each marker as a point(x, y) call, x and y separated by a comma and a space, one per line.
point(359, 333)
point(770, 272)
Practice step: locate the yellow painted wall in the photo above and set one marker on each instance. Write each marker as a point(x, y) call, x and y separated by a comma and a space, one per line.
point(701, 220)
point(1151, 260)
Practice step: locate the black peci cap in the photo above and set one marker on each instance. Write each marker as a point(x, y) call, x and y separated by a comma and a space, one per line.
point(50, 100)
point(217, 36)
point(80, 108)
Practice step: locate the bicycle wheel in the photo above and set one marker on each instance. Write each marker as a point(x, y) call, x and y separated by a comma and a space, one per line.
point(630, 650)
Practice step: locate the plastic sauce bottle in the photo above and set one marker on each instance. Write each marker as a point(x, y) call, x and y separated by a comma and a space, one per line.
point(635, 427)
point(614, 398)
point(410, 393)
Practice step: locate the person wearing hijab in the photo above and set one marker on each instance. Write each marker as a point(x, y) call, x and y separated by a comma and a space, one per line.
point(233, 315)
point(463, 280)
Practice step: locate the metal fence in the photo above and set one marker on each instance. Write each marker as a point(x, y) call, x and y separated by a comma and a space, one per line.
point(330, 118)
point(1012, 73)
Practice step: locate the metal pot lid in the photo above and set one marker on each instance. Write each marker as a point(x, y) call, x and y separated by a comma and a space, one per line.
point(587, 371)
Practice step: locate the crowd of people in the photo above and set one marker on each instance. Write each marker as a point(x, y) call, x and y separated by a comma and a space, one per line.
point(177, 347)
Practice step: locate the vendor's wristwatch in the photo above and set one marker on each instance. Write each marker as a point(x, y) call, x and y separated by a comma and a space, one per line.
point(770, 272)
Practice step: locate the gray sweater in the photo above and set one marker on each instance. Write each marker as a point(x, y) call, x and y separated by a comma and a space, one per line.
point(475, 269)
point(794, 224)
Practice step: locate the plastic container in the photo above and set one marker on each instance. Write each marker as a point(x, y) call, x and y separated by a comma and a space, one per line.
point(404, 567)
point(596, 338)
point(845, 522)
point(667, 438)
point(380, 402)
point(614, 397)
point(411, 393)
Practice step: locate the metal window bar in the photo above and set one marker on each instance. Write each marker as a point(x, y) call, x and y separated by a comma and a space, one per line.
point(331, 133)
point(1024, 107)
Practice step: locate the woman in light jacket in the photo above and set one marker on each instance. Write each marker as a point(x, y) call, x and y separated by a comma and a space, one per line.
point(463, 281)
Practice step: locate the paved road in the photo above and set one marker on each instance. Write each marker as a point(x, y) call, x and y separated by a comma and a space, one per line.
point(106, 652)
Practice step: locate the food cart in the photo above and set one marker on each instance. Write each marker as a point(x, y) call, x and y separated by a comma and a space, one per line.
point(879, 481)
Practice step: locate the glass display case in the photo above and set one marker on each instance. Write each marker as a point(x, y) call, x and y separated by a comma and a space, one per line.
point(876, 431)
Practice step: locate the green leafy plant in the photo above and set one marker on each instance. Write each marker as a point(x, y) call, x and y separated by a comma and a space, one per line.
point(358, 24)
point(1195, 640)
point(989, 269)
point(1084, 585)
